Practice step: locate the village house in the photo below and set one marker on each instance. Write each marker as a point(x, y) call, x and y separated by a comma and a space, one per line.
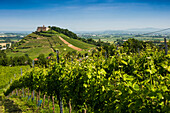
point(4, 46)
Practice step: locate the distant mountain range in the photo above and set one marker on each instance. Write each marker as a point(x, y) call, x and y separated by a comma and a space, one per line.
point(128, 31)
point(149, 29)
point(23, 32)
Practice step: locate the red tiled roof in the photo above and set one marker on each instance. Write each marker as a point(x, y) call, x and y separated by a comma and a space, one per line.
point(36, 59)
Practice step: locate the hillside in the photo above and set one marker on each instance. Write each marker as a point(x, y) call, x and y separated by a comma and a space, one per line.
point(46, 42)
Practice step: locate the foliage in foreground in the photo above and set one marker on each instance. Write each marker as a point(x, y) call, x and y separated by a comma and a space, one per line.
point(7, 73)
point(121, 83)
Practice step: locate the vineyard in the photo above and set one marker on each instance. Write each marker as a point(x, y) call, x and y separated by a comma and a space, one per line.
point(9, 73)
point(101, 83)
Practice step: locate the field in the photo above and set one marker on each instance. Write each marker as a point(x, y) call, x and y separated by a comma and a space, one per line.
point(111, 38)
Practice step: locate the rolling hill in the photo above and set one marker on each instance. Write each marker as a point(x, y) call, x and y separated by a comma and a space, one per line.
point(47, 42)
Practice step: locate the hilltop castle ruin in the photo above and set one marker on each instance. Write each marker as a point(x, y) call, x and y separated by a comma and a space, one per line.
point(39, 29)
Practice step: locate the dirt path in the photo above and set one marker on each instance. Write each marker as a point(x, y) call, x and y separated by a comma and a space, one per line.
point(70, 45)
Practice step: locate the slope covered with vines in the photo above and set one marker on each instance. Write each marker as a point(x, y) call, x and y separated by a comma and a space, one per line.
point(119, 83)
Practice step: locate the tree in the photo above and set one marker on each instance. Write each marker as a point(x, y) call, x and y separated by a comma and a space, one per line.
point(7, 40)
point(2, 54)
point(132, 45)
point(42, 60)
point(5, 61)
point(22, 60)
point(15, 61)
point(51, 54)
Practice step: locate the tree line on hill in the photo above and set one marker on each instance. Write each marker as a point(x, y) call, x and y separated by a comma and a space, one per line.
point(14, 61)
point(74, 36)
point(40, 61)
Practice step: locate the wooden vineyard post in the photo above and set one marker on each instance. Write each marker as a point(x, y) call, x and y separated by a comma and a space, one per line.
point(22, 88)
point(37, 99)
point(23, 92)
point(138, 52)
point(69, 103)
point(85, 109)
point(33, 95)
point(12, 93)
point(16, 92)
point(53, 104)
point(117, 49)
point(72, 59)
point(61, 105)
point(105, 55)
point(20, 93)
point(166, 47)
point(57, 56)
point(43, 101)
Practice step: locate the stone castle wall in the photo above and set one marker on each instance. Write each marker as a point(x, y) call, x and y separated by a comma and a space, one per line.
point(39, 29)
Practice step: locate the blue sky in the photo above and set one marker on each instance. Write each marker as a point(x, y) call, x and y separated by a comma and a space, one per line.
point(84, 15)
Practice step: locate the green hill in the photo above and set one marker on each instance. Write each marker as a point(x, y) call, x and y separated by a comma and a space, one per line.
point(46, 42)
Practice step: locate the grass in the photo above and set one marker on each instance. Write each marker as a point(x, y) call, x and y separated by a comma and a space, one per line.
point(35, 43)
point(32, 52)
